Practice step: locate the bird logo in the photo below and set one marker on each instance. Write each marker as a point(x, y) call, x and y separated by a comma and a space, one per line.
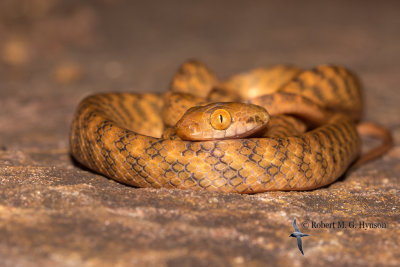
point(298, 235)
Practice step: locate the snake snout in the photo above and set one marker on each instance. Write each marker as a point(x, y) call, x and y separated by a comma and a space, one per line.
point(252, 124)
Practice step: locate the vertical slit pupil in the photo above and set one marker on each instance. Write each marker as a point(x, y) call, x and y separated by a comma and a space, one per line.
point(220, 118)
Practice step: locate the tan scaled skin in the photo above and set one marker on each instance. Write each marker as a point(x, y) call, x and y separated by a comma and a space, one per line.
point(222, 120)
point(119, 136)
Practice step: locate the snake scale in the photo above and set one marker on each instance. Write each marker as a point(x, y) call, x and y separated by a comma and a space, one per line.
point(119, 135)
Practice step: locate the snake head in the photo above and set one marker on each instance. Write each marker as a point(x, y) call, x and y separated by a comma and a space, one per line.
point(222, 120)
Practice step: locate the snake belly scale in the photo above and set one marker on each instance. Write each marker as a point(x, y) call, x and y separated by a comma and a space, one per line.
point(119, 136)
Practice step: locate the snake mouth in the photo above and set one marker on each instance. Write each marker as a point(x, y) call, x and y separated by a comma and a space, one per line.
point(254, 132)
point(250, 133)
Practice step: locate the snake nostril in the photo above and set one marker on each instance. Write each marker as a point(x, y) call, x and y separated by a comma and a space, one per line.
point(249, 120)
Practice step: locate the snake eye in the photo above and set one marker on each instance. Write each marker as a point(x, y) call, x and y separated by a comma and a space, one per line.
point(220, 119)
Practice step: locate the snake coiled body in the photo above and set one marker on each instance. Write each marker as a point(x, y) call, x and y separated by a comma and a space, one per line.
point(119, 135)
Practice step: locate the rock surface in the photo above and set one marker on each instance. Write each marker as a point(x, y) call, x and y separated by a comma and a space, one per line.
point(54, 212)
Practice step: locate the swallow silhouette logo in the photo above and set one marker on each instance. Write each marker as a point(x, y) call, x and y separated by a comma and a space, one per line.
point(298, 235)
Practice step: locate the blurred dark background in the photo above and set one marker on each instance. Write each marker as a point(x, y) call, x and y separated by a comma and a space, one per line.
point(55, 52)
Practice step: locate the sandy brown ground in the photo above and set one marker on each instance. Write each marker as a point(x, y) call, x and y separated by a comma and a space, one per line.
point(55, 213)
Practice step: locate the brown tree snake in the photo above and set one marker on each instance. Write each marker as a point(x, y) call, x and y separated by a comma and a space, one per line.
point(278, 128)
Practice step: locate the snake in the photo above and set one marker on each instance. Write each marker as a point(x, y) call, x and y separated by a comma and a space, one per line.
point(276, 128)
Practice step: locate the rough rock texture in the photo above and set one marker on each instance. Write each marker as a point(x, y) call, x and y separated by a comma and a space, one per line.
point(54, 212)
